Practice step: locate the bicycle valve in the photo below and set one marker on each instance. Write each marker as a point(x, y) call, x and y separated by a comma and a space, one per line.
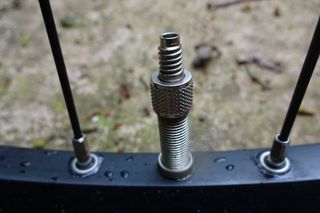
point(171, 92)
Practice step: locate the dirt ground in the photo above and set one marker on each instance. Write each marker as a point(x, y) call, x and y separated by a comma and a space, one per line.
point(110, 48)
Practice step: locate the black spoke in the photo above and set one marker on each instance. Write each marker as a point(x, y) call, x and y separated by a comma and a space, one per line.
point(302, 84)
point(275, 161)
point(60, 65)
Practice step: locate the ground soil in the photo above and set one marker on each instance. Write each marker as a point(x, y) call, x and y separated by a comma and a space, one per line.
point(111, 50)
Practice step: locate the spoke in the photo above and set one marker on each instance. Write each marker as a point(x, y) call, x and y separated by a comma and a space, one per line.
point(60, 65)
point(302, 84)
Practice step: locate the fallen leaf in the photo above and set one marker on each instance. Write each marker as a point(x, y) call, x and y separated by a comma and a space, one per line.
point(204, 54)
point(24, 39)
point(124, 91)
point(117, 140)
point(4, 84)
point(117, 125)
point(129, 26)
point(246, 8)
point(307, 111)
point(107, 114)
point(146, 112)
point(89, 115)
point(72, 22)
point(90, 130)
point(38, 144)
point(276, 12)
point(121, 150)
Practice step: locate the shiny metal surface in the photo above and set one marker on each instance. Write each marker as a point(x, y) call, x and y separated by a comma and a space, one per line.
point(275, 162)
point(84, 163)
point(171, 92)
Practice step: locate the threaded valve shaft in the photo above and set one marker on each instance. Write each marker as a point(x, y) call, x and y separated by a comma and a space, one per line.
point(176, 151)
point(170, 55)
point(171, 92)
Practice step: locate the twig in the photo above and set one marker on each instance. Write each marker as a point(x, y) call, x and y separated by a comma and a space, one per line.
point(307, 111)
point(226, 3)
point(264, 85)
point(260, 61)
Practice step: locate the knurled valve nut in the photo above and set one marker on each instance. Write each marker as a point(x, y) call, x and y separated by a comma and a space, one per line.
point(172, 99)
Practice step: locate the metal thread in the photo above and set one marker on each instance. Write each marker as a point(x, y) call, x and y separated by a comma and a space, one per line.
point(171, 92)
point(170, 55)
point(174, 137)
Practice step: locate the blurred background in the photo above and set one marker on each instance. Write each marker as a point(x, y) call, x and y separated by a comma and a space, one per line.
point(245, 58)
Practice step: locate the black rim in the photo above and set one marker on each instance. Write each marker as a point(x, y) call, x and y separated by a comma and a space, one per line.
point(231, 181)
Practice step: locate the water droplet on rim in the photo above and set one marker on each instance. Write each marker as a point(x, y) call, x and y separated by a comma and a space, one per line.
point(229, 167)
point(129, 159)
point(220, 159)
point(108, 174)
point(124, 173)
point(51, 152)
point(25, 163)
point(54, 178)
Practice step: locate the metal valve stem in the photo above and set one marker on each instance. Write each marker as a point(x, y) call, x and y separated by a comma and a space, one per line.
point(171, 92)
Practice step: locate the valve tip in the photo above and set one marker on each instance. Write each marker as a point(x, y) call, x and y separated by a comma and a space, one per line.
point(169, 39)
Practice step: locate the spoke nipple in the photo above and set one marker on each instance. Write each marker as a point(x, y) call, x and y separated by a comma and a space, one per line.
point(275, 162)
point(84, 163)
